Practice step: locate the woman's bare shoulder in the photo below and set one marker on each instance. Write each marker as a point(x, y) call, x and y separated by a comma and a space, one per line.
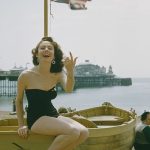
point(26, 73)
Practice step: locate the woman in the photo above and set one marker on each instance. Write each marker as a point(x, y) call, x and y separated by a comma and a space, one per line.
point(39, 85)
point(142, 133)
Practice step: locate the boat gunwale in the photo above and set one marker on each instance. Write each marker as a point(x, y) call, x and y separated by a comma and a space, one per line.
point(94, 132)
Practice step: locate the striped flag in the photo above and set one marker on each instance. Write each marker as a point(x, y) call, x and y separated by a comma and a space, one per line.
point(74, 4)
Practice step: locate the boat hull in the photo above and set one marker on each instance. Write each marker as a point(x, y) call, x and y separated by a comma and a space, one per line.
point(120, 138)
point(105, 137)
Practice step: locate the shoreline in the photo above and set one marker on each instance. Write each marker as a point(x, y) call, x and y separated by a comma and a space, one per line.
point(7, 114)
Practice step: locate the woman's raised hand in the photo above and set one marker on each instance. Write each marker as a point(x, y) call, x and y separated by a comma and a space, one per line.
point(69, 62)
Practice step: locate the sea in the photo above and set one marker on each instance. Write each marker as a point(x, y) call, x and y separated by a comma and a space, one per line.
point(136, 96)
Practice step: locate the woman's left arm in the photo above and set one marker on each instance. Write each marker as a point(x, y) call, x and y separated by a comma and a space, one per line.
point(67, 78)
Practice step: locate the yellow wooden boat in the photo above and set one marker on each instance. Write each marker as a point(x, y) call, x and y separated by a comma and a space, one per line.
point(110, 128)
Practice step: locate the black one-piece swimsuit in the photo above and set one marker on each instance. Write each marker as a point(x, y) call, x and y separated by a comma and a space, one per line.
point(39, 104)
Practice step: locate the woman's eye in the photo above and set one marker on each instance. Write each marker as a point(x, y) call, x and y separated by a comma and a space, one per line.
point(50, 48)
point(44, 48)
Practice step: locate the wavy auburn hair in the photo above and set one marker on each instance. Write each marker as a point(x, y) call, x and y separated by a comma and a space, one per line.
point(58, 55)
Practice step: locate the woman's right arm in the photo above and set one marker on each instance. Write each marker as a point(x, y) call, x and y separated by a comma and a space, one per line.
point(19, 99)
point(21, 84)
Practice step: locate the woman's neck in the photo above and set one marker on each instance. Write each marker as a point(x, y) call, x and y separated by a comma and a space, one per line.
point(44, 68)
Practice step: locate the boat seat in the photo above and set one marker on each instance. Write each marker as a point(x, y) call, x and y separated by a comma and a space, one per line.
point(107, 120)
point(84, 121)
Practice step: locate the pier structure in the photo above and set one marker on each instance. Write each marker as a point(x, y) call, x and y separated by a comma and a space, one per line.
point(8, 81)
point(90, 75)
point(96, 81)
point(87, 75)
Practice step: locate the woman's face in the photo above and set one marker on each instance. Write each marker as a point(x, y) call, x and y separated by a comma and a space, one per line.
point(45, 51)
point(148, 119)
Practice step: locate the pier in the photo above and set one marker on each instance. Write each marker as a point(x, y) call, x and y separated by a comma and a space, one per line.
point(91, 75)
point(97, 81)
point(87, 75)
point(8, 84)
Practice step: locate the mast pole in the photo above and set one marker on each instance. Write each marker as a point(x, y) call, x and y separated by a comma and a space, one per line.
point(45, 18)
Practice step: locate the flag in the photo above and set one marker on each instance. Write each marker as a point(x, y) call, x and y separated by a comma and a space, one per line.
point(74, 4)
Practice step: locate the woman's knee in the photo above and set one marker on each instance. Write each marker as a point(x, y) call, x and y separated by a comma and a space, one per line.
point(84, 134)
point(74, 133)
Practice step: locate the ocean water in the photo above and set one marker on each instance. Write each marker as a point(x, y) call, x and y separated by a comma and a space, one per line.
point(136, 96)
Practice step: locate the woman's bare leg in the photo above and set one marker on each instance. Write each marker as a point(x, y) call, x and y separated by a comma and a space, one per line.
point(66, 133)
point(84, 133)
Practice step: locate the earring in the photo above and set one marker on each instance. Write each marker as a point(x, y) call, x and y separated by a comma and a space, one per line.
point(53, 61)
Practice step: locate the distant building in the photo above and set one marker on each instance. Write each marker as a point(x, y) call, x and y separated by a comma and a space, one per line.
point(15, 71)
point(89, 69)
point(90, 75)
point(3, 72)
point(110, 71)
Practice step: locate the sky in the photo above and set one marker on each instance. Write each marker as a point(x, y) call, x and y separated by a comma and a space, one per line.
point(109, 32)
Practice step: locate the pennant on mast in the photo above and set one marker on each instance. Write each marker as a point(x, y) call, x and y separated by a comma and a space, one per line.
point(74, 4)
